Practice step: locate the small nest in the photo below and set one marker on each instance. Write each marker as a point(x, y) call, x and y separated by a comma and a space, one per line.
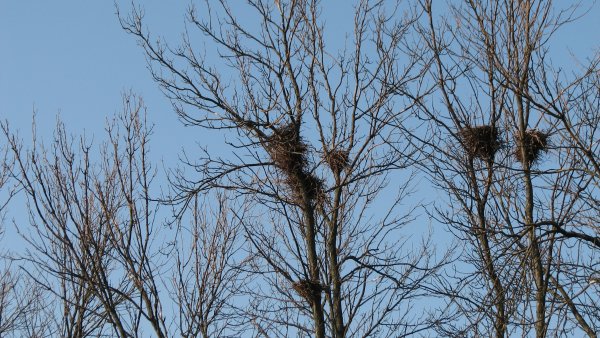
point(308, 289)
point(481, 141)
point(246, 124)
point(287, 149)
point(534, 143)
point(315, 188)
point(337, 160)
point(313, 184)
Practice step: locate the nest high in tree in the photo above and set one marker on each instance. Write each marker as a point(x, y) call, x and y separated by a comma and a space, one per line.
point(531, 144)
point(308, 289)
point(480, 142)
point(288, 152)
point(337, 160)
point(287, 149)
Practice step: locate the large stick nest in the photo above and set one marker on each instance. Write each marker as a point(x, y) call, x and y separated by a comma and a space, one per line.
point(308, 289)
point(480, 142)
point(287, 149)
point(531, 144)
point(288, 152)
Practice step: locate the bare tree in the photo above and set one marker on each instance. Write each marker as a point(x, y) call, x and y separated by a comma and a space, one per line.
point(75, 208)
point(15, 303)
point(318, 136)
point(207, 278)
point(97, 245)
point(301, 222)
point(491, 153)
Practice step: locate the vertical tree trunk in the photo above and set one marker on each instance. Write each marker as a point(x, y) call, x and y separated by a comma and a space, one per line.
point(313, 262)
point(499, 298)
point(533, 247)
point(334, 268)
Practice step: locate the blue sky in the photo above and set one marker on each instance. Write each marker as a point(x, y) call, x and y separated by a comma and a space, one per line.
point(71, 57)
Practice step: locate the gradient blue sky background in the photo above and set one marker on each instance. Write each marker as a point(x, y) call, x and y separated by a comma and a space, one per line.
point(71, 57)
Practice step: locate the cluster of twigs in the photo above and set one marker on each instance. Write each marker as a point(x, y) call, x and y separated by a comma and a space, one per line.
point(288, 152)
point(481, 141)
point(530, 145)
point(484, 141)
point(308, 289)
point(337, 160)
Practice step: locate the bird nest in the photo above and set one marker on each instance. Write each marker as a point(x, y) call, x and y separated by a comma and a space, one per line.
point(287, 150)
point(481, 141)
point(308, 289)
point(302, 183)
point(531, 144)
point(337, 160)
point(315, 188)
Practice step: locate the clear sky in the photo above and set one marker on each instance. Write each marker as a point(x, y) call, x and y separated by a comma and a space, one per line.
point(72, 57)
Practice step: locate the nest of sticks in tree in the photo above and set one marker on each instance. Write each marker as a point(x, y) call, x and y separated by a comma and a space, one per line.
point(315, 185)
point(531, 144)
point(481, 141)
point(308, 289)
point(337, 160)
point(288, 152)
point(287, 149)
point(303, 184)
